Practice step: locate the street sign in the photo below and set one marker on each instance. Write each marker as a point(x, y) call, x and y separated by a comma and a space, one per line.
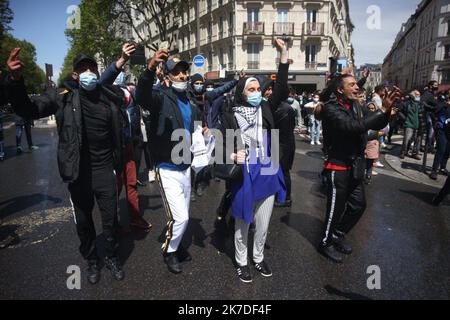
point(199, 61)
point(49, 70)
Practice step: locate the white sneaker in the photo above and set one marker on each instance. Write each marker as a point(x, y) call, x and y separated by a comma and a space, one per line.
point(378, 164)
point(374, 173)
point(318, 143)
point(312, 143)
point(151, 176)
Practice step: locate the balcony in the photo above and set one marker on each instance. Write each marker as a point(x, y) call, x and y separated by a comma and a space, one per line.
point(283, 28)
point(253, 29)
point(313, 29)
point(253, 65)
point(311, 65)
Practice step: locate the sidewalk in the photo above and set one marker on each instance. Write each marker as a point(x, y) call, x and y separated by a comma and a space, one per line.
point(409, 167)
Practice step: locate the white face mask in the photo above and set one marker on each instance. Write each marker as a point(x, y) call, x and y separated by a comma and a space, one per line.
point(209, 89)
point(180, 86)
point(316, 100)
point(417, 99)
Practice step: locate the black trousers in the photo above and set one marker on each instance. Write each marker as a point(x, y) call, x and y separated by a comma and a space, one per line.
point(442, 152)
point(287, 180)
point(346, 203)
point(225, 202)
point(100, 185)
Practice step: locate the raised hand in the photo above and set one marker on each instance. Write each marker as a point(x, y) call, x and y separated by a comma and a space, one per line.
point(281, 45)
point(242, 74)
point(127, 50)
point(366, 73)
point(160, 56)
point(15, 66)
point(390, 99)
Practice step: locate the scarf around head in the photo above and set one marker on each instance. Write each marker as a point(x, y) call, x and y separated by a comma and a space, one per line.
point(249, 119)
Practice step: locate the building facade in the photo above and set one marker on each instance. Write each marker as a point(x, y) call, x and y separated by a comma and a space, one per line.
point(421, 50)
point(375, 78)
point(233, 35)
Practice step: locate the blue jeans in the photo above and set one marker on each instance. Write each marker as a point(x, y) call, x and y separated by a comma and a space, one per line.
point(314, 128)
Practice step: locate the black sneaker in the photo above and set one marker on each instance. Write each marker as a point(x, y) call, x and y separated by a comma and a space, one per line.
point(173, 264)
point(244, 274)
point(140, 183)
point(331, 253)
point(444, 172)
point(115, 267)
point(402, 156)
point(433, 175)
point(183, 255)
point(340, 245)
point(263, 269)
point(93, 272)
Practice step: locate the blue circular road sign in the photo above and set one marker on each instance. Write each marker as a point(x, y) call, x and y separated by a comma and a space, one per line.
point(199, 61)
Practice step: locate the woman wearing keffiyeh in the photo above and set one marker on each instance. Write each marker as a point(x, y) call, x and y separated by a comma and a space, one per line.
point(253, 197)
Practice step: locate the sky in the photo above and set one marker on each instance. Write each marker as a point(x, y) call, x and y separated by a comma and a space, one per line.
point(371, 46)
point(43, 22)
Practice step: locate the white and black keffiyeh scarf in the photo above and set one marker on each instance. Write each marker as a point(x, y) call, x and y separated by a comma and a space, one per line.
point(250, 122)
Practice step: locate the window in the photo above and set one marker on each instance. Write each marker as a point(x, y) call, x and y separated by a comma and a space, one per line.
point(310, 56)
point(311, 16)
point(253, 55)
point(252, 14)
point(220, 3)
point(220, 28)
point(282, 15)
point(209, 31)
point(209, 4)
point(210, 61)
point(230, 58)
point(448, 28)
point(447, 52)
point(221, 58)
point(230, 23)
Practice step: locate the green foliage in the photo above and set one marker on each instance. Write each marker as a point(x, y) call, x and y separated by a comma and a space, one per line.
point(6, 16)
point(34, 76)
point(96, 36)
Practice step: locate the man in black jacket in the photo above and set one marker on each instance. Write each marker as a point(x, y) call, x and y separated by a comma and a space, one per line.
point(90, 125)
point(172, 110)
point(345, 127)
point(430, 103)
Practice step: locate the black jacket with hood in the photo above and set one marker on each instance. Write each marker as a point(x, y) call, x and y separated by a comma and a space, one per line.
point(65, 104)
point(165, 116)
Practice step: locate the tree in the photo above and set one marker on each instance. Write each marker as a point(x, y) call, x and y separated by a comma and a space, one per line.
point(6, 17)
point(34, 76)
point(142, 14)
point(97, 35)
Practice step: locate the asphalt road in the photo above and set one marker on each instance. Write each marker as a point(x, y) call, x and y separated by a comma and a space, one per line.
point(401, 233)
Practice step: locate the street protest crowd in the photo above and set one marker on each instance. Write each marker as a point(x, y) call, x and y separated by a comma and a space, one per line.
point(192, 130)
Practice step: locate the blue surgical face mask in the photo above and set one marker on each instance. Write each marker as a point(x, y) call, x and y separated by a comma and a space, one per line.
point(88, 81)
point(198, 88)
point(417, 99)
point(209, 89)
point(254, 99)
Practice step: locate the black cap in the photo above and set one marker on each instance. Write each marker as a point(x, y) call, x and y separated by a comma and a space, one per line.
point(173, 62)
point(83, 58)
point(197, 77)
